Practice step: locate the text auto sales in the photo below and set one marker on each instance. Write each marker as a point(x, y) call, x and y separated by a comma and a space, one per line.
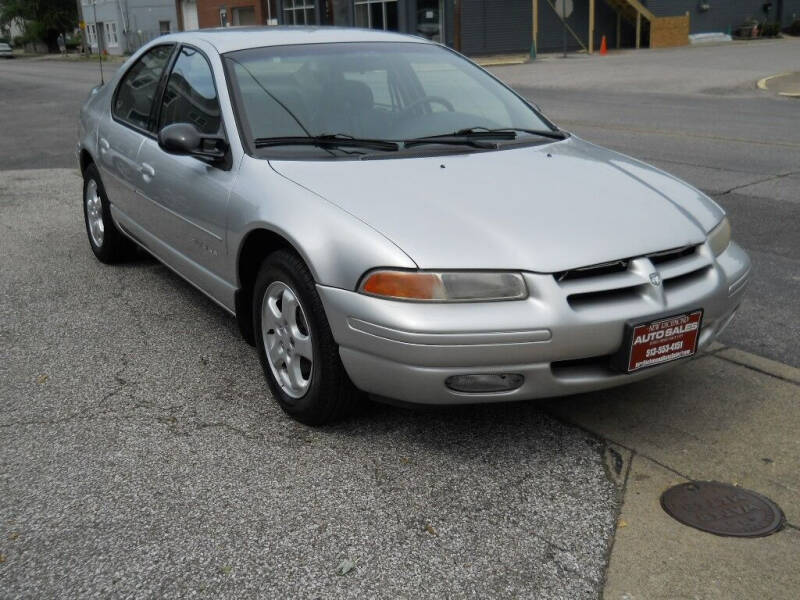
point(665, 333)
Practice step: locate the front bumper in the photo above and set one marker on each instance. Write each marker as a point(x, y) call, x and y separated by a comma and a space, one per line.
point(560, 338)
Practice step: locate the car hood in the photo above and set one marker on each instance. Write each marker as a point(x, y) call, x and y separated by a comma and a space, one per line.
point(544, 208)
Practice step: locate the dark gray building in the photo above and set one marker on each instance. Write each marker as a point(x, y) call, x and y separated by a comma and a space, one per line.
point(498, 26)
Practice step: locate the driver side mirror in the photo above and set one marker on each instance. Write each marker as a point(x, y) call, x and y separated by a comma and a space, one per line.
point(185, 139)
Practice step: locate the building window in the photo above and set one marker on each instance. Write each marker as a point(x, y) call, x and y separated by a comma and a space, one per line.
point(299, 12)
point(111, 39)
point(164, 27)
point(91, 35)
point(376, 14)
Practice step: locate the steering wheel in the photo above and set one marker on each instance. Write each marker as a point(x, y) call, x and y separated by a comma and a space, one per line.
point(428, 100)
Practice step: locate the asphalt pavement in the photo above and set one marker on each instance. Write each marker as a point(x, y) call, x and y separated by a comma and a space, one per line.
point(141, 456)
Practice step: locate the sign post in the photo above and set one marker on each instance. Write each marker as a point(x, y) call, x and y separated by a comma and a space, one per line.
point(564, 9)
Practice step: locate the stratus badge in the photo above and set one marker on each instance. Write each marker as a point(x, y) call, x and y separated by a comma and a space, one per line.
point(655, 278)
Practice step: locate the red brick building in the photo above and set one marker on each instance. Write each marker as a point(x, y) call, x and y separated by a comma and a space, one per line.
point(221, 13)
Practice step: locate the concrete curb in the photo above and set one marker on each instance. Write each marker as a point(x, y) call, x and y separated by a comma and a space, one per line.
point(502, 60)
point(761, 364)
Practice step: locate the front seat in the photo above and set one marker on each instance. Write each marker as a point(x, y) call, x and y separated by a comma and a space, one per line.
point(351, 109)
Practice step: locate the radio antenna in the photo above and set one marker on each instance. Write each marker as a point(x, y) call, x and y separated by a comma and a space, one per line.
point(98, 35)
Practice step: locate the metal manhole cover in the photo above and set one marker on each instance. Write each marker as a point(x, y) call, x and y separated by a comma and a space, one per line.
point(722, 509)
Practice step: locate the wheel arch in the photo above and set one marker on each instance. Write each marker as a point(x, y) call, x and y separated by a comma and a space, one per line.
point(256, 245)
point(86, 159)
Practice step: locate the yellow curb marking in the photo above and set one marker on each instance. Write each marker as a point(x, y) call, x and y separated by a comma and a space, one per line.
point(762, 83)
point(501, 63)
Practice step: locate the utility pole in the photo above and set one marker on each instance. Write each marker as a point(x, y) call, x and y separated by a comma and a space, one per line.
point(457, 25)
point(564, 23)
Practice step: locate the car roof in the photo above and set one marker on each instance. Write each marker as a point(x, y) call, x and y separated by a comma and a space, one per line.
point(230, 39)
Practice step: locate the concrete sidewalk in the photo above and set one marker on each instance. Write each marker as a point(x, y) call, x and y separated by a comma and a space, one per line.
point(728, 416)
point(717, 70)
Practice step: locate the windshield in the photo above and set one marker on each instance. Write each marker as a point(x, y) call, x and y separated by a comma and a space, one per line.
point(374, 91)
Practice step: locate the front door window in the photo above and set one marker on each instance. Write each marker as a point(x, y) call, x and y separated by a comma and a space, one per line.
point(133, 100)
point(190, 96)
point(377, 14)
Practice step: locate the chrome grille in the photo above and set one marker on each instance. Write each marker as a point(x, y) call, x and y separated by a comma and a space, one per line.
point(627, 280)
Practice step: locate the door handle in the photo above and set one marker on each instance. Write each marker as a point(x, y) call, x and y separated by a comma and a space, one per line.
point(147, 171)
point(104, 145)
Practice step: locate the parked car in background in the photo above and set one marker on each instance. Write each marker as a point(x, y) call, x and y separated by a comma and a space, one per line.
point(6, 51)
point(383, 216)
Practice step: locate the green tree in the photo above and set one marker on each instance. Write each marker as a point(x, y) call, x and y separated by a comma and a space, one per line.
point(44, 19)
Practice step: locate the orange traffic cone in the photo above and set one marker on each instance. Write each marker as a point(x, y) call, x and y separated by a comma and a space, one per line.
point(603, 47)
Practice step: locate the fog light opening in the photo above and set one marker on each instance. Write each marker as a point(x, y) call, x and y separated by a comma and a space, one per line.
point(484, 383)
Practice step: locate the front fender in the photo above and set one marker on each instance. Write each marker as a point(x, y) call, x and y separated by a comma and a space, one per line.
point(337, 247)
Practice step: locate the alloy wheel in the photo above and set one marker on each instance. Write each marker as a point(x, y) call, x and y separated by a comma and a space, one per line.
point(94, 213)
point(287, 339)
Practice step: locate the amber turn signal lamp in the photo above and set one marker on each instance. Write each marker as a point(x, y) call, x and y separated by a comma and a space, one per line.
point(402, 284)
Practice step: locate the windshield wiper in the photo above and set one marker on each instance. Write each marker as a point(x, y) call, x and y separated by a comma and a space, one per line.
point(479, 137)
point(327, 140)
point(486, 132)
point(458, 140)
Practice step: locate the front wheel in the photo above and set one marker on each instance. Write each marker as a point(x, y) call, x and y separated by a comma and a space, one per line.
point(298, 353)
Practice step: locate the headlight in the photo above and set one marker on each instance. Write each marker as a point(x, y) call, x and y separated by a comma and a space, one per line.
point(720, 237)
point(449, 286)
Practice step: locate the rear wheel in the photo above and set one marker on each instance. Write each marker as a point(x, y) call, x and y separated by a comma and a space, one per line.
point(298, 353)
point(108, 244)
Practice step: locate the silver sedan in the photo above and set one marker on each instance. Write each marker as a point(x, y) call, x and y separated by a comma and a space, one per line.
point(382, 216)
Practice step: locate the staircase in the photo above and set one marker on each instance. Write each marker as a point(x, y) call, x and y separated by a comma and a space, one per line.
point(636, 13)
point(660, 31)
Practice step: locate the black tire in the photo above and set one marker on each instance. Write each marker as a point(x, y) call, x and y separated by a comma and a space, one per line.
point(330, 395)
point(113, 247)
